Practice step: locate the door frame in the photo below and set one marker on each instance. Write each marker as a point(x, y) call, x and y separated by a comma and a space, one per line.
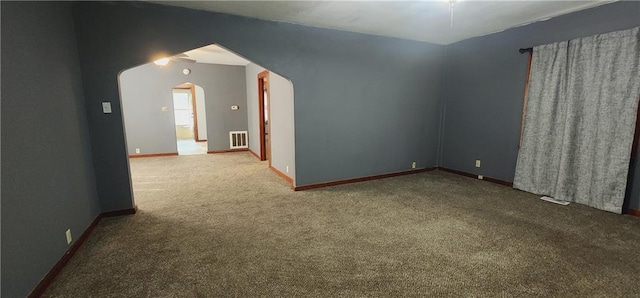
point(192, 87)
point(526, 98)
point(632, 166)
point(263, 81)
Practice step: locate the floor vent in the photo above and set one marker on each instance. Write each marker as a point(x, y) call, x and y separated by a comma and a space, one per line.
point(238, 139)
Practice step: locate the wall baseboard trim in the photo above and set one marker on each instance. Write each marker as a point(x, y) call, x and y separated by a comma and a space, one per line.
point(53, 273)
point(362, 179)
point(48, 279)
point(122, 212)
point(153, 155)
point(474, 176)
point(632, 212)
point(227, 151)
point(254, 154)
point(282, 175)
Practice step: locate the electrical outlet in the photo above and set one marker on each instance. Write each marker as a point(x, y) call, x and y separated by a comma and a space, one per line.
point(413, 165)
point(480, 177)
point(477, 163)
point(106, 107)
point(68, 234)
point(137, 150)
point(287, 169)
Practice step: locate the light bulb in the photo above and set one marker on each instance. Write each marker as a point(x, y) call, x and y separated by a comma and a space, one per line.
point(162, 61)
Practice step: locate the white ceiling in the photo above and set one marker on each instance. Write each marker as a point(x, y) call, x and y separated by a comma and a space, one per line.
point(417, 20)
point(214, 54)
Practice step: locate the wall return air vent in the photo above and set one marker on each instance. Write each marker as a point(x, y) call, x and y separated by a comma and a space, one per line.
point(238, 140)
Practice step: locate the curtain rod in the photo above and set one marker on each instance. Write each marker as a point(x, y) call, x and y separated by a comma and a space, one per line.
point(525, 50)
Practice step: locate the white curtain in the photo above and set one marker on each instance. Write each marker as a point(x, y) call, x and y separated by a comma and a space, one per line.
point(580, 119)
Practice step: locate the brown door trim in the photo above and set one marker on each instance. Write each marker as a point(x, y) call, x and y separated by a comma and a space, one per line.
point(526, 98)
point(262, 77)
point(632, 167)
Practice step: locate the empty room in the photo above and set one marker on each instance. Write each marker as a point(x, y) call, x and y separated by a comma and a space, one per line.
point(360, 148)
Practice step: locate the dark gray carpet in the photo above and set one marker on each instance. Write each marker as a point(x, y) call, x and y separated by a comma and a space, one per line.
point(224, 225)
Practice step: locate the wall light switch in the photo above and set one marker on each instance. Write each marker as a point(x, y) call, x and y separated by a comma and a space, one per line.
point(165, 109)
point(287, 169)
point(477, 163)
point(106, 107)
point(68, 234)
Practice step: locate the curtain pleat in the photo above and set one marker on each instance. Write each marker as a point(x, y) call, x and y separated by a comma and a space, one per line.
point(537, 165)
point(584, 97)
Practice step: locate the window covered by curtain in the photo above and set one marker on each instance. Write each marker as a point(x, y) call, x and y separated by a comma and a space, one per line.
point(580, 121)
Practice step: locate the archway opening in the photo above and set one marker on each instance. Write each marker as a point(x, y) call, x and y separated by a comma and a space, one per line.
point(167, 116)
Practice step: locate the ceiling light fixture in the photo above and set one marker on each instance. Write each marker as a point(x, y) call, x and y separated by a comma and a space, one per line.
point(161, 61)
point(452, 3)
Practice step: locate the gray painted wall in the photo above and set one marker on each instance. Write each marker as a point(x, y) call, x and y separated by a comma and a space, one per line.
point(251, 72)
point(484, 87)
point(201, 104)
point(281, 110)
point(48, 183)
point(364, 104)
point(282, 125)
point(363, 101)
point(147, 88)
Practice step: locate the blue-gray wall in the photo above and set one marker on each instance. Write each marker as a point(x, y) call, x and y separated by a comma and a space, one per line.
point(147, 88)
point(282, 132)
point(364, 105)
point(251, 72)
point(484, 87)
point(48, 185)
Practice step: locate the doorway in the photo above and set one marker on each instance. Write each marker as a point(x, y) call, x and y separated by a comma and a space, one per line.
point(190, 129)
point(264, 116)
point(147, 99)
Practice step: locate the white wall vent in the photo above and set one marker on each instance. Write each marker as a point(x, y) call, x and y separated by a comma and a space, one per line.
point(238, 139)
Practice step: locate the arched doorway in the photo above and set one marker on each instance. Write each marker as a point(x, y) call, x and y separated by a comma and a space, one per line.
point(189, 110)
